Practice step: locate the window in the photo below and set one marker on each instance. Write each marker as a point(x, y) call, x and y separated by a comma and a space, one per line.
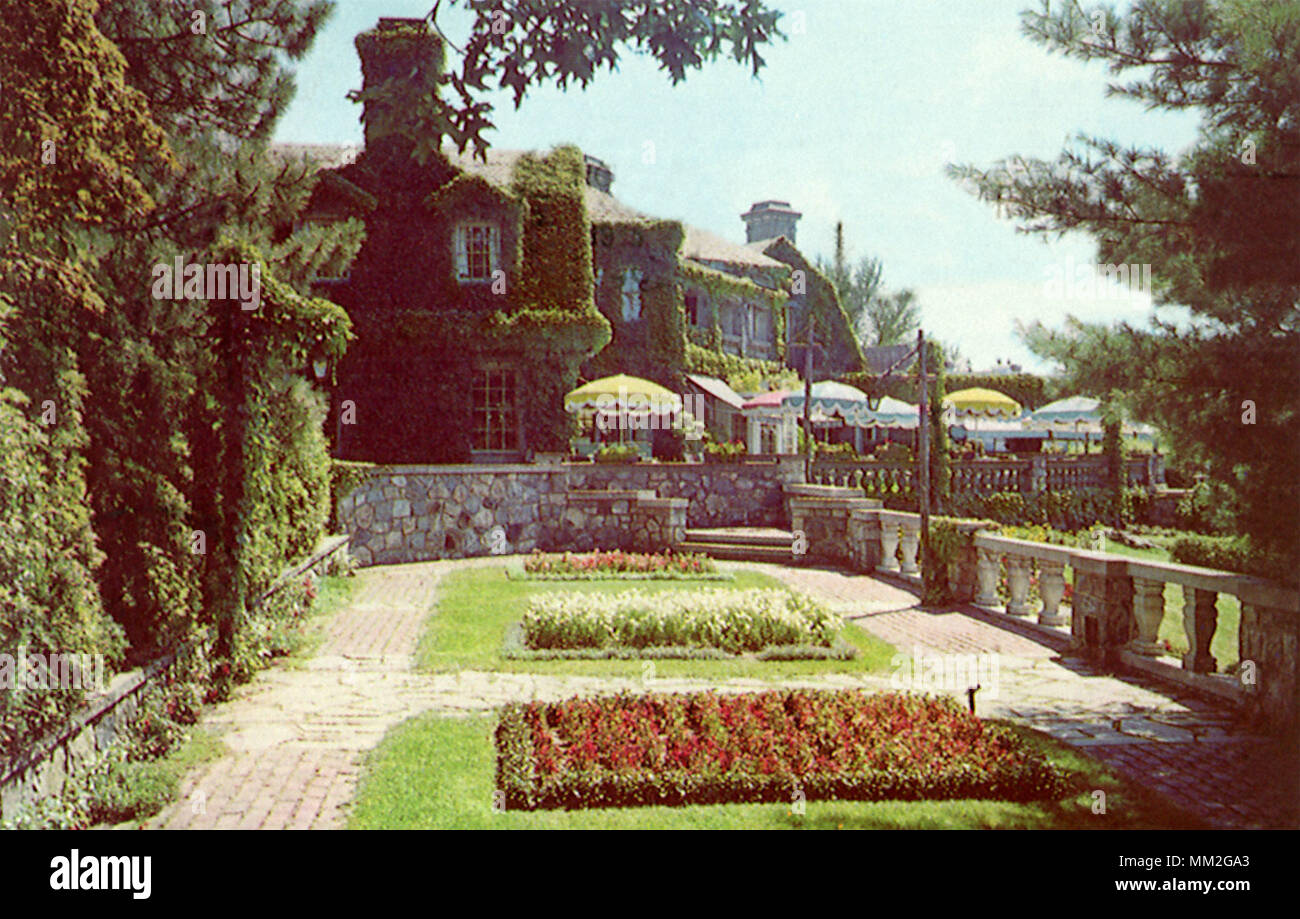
point(496, 425)
point(737, 321)
point(478, 252)
point(632, 295)
point(761, 325)
point(693, 310)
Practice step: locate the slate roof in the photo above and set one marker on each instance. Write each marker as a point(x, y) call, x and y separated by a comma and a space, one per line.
point(698, 245)
point(718, 389)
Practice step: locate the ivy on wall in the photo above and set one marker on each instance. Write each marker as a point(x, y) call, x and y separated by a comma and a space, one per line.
point(432, 338)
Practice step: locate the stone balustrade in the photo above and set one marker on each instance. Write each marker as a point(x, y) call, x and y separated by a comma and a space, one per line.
point(1117, 608)
point(1039, 472)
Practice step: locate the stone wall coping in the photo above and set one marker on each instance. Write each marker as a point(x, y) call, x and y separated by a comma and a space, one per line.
point(1186, 575)
point(1270, 594)
point(899, 517)
point(663, 502)
point(468, 469)
point(1085, 560)
point(612, 494)
point(803, 490)
point(815, 503)
point(1042, 551)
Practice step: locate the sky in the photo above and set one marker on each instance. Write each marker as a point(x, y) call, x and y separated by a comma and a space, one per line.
point(852, 120)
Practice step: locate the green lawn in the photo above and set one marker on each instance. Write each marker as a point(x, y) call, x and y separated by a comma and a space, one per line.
point(477, 605)
point(435, 772)
point(1224, 644)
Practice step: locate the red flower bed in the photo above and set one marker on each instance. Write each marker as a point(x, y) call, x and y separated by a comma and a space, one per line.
point(708, 748)
point(618, 562)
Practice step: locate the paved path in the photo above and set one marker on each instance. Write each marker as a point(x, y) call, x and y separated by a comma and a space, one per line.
point(298, 732)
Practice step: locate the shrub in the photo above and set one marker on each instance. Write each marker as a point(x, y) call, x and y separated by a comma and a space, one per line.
point(617, 453)
point(1209, 507)
point(1232, 553)
point(731, 620)
point(706, 748)
point(608, 564)
point(724, 452)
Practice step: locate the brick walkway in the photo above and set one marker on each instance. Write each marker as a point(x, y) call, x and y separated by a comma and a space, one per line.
point(297, 734)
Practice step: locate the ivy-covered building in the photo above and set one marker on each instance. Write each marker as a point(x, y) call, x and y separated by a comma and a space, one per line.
point(486, 289)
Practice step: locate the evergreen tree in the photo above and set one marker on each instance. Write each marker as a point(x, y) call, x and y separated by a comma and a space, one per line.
point(1218, 225)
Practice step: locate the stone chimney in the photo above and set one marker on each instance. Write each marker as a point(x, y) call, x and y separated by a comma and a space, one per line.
point(770, 219)
point(599, 175)
point(401, 49)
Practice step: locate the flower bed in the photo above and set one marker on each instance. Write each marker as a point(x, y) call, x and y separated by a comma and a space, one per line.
point(705, 748)
point(735, 621)
point(618, 564)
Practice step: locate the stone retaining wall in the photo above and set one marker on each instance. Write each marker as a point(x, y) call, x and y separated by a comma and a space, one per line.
point(420, 513)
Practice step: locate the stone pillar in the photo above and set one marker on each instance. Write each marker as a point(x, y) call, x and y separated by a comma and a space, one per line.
point(911, 541)
point(864, 539)
point(989, 564)
point(1051, 584)
point(1018, 569)
point(888, 545)
point(1200, 618)
point(1103, 605)
point(1269, 649)
point(1148, 611)
point(1038, 472)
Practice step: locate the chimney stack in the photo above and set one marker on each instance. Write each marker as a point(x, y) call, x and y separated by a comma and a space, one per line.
point(599, 175)
point(770, 219)
point(401, 49)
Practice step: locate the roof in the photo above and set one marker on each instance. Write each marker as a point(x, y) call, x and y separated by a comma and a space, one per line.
point(880, 358)
point(603, 207)
point(703, 246)
point(718, 389)
point(771, 399)
point(498, 168)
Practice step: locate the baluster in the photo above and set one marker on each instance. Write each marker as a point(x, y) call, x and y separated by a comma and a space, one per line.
point(888, 545)
point(911, 541)
point(1051, 584)
point(1018, 568)
point(989, 564)
point(1200, 618)
point(1148, 610)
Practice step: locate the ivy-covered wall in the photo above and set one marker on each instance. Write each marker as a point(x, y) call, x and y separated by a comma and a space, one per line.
point(652, 346)
point(423, 337)
point(838, 352)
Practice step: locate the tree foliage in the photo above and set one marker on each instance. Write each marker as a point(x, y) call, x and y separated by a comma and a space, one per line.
point(1216, 223)
point(518, 45)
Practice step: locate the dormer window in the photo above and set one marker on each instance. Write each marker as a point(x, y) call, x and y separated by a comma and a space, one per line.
point(632, 295)
point(478, 252)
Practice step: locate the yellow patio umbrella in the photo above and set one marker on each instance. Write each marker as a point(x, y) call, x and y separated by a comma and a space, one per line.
point(983, 401)
point(622, 392)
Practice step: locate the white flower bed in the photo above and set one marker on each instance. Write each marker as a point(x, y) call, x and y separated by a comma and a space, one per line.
point(732, 620)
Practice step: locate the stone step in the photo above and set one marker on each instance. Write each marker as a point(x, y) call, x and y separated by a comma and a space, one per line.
point(736, 552)
point(742, 536)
